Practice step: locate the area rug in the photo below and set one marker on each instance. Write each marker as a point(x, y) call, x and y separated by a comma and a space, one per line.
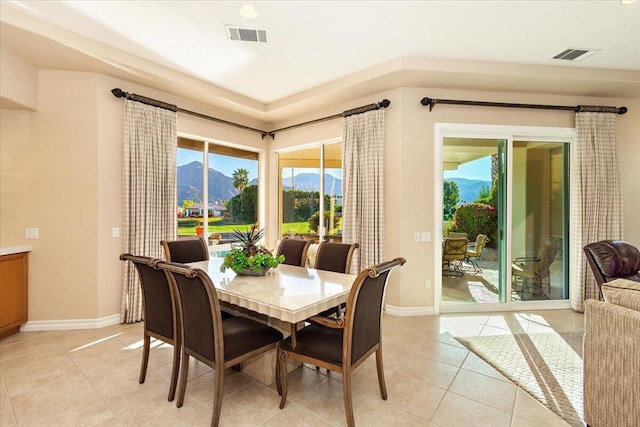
point(548, 366)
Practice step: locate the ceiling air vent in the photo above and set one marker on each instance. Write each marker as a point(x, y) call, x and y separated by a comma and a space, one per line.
point(246, 34)
point(575, 54)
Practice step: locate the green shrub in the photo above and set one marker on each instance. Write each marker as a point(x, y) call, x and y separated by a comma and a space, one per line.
point(477, 218)
point(314, 220)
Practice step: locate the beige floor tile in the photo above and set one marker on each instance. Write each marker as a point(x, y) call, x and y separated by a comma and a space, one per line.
point(414, 395)
point(83, 411)
point(105, 375)
point(429, 370)
point(452, 355)
point(458, 411)
point(515, 323)
point(529, 412)
point(101, 352)
point(201, 389)
point(326, 400)
point(196, 369)
point(23, 337)
point(75, 340)
point(41, 377)
point(128, 395)
point(445, 337)
point(294, 415)
point(159, 411)
point(7, 416)
point(490, 391)
point(250, 406)
point(383, 414)
point(301, 380)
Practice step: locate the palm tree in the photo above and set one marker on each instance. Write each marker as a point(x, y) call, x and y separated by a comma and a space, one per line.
point(240, 181)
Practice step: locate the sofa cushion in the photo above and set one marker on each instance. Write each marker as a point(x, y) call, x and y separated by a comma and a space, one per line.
point(622, 292)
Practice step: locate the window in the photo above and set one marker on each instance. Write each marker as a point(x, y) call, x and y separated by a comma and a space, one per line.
point(223, 198)
point(304, 175)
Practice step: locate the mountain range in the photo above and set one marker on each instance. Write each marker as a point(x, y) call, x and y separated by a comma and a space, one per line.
point(221, 186)
point(469, 189)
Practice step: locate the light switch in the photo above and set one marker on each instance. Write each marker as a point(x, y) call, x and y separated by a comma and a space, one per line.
point(416, 237)
point(115, 232)
point(32, 233)
point(426, 236)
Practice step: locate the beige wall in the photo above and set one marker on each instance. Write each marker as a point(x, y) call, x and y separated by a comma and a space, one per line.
point(61, 171)
point(19, 83)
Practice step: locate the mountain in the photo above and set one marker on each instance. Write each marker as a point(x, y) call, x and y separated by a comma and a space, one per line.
point(311, 182)
point(190, 184)
point(469, 189)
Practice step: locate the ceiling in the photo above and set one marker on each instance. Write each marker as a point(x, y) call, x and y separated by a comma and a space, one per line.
point(318, 52)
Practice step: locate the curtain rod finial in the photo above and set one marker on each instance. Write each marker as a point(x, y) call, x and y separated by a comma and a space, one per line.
point(622, 110)
point(385, 103)
point(117, 92)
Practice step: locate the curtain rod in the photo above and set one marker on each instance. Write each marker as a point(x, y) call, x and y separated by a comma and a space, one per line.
point(378, 105)
point(431, 102)
point(119, 93)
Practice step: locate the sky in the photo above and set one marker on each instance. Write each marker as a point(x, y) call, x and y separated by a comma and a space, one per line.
point(224, 164)
point(478, 169)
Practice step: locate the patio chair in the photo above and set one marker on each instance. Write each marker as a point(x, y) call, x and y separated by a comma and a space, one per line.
point(343, 344)
point(454, 251)
point(534, 271)
point(474, 250)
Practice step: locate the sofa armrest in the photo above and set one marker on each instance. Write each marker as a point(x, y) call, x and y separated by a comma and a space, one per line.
point(611, 365)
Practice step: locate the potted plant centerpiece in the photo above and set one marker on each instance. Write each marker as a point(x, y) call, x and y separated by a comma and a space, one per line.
point(248, 258)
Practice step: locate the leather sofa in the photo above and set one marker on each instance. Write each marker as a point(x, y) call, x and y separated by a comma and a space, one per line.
point(613, 259)
point(612, 356)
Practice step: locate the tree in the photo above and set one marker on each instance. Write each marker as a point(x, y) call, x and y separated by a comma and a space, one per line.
point(451, 195)
point(240, 181)
point(484, 195)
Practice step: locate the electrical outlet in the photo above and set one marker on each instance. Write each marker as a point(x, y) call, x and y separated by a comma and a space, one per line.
point(115, 232)
point(426, 236)
point(427, 284)
point(32, 233)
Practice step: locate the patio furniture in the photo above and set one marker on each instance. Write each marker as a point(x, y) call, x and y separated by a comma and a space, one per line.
point(454, 251)
point(474, 250)
point(534, 271)
point(457, 235)
point(186, 250)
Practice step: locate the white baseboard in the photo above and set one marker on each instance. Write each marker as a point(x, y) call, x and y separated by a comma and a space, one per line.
point(63, 325)
point(408, 311)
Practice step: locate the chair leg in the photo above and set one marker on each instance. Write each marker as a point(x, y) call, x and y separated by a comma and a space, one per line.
point(379, 365)
point(348, 402)
point(174, 372)
point(278, 373)
point(182, 386)
point(217, 398)
point(145, 358)
point(282, 360)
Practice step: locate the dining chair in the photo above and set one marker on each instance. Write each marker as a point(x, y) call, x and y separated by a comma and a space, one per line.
point(186, 250)
point(336, 257)
point(294, 251)
point(160, 314)
point(343, 344)
point(218, 343)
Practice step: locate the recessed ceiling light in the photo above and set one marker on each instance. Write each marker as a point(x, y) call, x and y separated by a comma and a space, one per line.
point(627, 2)
point(248, 11)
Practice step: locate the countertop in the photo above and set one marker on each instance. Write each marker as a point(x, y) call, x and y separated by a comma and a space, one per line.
point(15, 250)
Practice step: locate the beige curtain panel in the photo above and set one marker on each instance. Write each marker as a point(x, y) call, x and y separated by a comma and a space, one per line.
point(363, 187)
point(149, 193)
point(596, 199)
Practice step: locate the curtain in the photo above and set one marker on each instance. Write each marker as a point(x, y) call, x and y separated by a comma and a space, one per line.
point(149, 192)
point(596, 199)
point(363, 186)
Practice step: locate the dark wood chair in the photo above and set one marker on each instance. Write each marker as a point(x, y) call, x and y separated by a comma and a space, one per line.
point(186, 250)
point(613, 259)
point(218, 343)
point(294, 251)
point(342, 344)
point(336, 257)
point(160, 314)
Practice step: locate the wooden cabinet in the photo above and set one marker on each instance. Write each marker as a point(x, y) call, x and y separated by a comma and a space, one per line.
point(14, 270)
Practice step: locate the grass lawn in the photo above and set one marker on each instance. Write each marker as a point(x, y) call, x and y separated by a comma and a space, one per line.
point(294, 227)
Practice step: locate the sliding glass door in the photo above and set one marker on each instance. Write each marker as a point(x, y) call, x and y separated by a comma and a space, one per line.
point(504, 219)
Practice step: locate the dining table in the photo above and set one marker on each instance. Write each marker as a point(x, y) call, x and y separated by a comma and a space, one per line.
point(283, 298)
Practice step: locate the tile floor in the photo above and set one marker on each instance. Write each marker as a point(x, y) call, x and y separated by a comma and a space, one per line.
point(90, 377)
